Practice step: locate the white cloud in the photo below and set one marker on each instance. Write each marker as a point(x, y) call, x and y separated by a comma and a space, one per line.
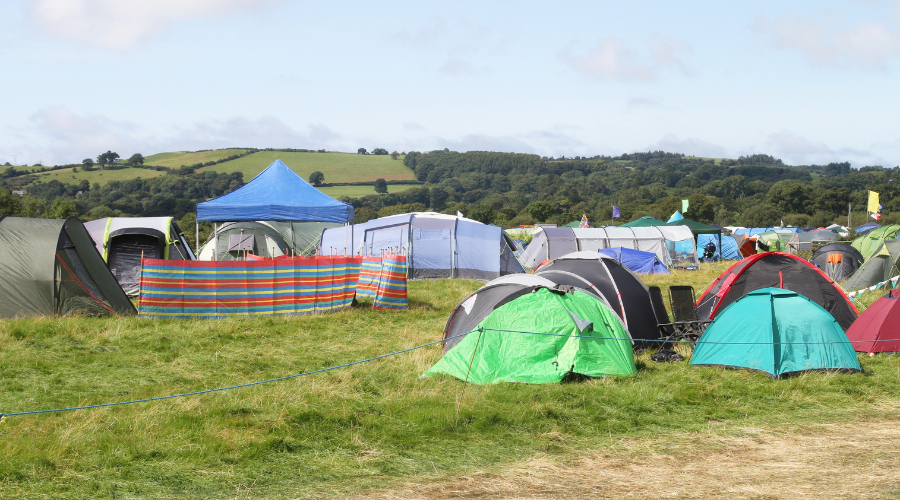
point(72, 137)
point(611, 59)
point(798, 150)
point(122, 24)
point(867, 44)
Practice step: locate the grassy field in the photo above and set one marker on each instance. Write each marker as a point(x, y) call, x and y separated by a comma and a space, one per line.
point(97, 176)
point(337, 167)
point(368, 427)
point(187, 158)
point(359, 191)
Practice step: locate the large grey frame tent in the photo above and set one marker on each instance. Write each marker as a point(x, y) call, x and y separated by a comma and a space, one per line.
point(124, 241)
point(673, 245)
point(51, 267)
point(438, 245)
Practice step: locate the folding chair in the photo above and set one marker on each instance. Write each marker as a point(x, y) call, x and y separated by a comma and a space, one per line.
point(665, 325)
point(687, 320)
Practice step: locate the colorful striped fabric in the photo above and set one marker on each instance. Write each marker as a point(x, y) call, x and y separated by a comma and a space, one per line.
point(391, 292)
point(203, 289)
point(368, 278)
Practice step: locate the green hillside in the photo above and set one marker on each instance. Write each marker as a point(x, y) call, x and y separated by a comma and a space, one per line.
point(187, 158)
point(337, 167)
point(98, 176)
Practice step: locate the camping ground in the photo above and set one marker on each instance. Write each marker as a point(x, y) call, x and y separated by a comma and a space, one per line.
point(378, 430)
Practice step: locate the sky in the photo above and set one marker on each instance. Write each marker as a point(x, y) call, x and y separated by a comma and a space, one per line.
point(810, 82)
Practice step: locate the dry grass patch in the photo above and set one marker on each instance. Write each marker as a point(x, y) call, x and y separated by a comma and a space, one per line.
point(847, 460)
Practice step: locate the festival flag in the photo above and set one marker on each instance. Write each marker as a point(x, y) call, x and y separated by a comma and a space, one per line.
point(584, 221)
point(684, 206)
point(616, 213)
point(873, 202)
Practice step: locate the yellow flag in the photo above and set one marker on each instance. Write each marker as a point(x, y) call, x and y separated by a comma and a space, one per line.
point(873, 202)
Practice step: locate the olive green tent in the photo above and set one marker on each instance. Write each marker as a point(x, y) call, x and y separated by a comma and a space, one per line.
point(882, 265)
point(868, 243)
point(574, 333)
point(50, 266)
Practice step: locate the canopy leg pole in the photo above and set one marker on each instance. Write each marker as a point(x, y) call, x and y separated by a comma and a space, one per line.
point(196, 236)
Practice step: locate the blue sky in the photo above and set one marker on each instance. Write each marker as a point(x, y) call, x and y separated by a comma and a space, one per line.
point(808, 82)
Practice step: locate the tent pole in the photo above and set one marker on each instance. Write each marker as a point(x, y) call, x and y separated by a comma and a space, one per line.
point(849, 211)
point(197, 235)
point(215, 239)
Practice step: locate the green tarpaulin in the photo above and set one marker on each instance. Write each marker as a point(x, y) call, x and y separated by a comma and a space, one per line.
point(776, 331)
point(645, 221)
point(502, 353)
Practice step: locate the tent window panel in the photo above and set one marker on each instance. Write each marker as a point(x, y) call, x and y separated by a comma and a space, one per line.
point(432, 255)
point(591, 244)
point(241, 243)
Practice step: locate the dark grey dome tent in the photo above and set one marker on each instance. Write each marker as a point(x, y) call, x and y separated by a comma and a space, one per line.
point(123, 241)
point(51, 267)
point(628, 296)
point(838, 260)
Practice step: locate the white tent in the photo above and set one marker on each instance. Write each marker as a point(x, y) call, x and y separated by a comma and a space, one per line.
point(673, 245)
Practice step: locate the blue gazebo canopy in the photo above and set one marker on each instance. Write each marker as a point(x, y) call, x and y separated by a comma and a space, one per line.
point(276, 194)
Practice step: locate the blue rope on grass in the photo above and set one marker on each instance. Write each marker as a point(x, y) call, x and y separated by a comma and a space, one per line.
point(219, 389)
point(395, 353)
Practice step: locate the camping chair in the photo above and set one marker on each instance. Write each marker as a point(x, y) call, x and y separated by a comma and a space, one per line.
point(665, 325)
point(687, 320)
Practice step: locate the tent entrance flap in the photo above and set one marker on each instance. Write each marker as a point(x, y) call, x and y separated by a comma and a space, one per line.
point(433, 257)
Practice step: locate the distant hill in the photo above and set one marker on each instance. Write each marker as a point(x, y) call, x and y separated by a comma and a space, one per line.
point(338, 168)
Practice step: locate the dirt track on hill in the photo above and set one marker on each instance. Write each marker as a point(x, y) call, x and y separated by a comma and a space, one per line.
point(848, 460)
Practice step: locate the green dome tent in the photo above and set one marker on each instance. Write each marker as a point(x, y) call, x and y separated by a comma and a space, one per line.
point(868, 243)
point(776, 331)
point(500, 352)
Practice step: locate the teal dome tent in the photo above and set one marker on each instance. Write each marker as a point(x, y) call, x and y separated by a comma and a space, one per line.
point(776, 331)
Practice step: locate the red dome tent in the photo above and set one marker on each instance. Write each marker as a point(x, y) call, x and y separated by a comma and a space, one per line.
point(777, 270)
point(878, 327)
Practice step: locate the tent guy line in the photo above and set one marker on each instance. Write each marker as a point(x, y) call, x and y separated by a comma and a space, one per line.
point(395, 353)
point(220, 389)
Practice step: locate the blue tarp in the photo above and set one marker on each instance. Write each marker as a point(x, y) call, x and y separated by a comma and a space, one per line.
point(276, 194)
point(636, 260)
point(865, 228)
point(729, 248)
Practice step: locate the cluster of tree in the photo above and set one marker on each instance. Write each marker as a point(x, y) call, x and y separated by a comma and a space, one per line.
point(759, 190)
point(510, 189)
point(167, 195)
